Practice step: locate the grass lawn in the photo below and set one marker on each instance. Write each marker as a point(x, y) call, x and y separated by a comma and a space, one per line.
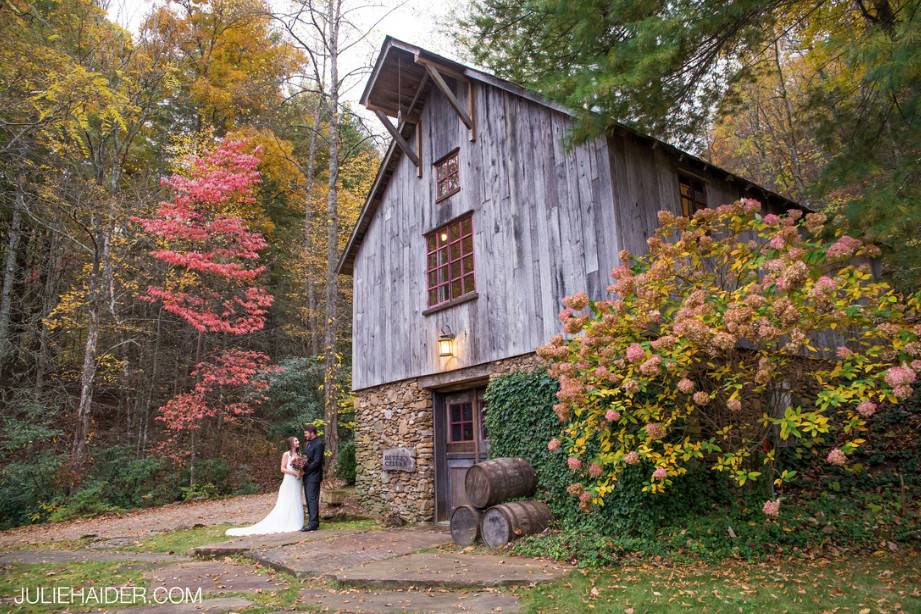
point(182, 540)
point(879, 582)
point(87, 574)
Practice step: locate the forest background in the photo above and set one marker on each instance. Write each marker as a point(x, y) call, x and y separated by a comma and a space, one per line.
point(99, 375)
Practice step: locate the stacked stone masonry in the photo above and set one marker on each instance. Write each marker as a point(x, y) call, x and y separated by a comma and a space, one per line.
point(399, 415)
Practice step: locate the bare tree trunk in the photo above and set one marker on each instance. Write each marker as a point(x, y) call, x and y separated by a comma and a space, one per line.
point(101, 280)
point(49, 297)
point(154, 378)
point(9, 270)
point(792, 131)
point(313, 344)
point(331, 402)
point(88, 374)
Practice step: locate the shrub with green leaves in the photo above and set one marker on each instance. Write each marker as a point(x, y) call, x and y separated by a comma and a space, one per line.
point(29, 468)
point(520, 420)
point(345, 464)
point(710, 354)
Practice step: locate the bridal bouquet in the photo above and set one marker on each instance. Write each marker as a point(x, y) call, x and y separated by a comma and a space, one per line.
point(299, 463)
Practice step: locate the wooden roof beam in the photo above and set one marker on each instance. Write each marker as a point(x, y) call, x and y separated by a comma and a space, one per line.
point(400, 141)
point(435, 74)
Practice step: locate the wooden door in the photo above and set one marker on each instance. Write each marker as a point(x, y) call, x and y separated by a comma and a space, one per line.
point(464, 443)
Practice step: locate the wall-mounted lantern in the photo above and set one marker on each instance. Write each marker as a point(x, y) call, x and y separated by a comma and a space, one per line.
point(446, 342)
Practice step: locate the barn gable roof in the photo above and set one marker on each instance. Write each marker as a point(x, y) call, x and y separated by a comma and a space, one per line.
point(398, 86)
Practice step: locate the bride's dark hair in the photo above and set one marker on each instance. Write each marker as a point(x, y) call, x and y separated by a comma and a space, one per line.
point(291, 441)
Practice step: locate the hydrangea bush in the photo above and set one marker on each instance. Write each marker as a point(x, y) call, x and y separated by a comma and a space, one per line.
point(737, 334)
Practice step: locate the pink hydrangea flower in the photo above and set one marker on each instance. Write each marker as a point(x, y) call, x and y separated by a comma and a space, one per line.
point(574, 463)
point(836, 457)
point(701, 398)
point(845, 247)
point(902, 392)
point(651, 366)
point(899, 376)
point(734, 404)
point(843, 352)
point(771, 218)
point(686, 386)
point(635, 352)
point(632, 386)
point(663, 342)
point(612, 415)
point(655, 430)
point(777, 242)
point(595, 470)
point(601, 373)
point(771, 508)
point(576, 301)
point(660, 473)
point(824, 285)
point(574, 325)
point(553, 445)
point(632, 457)
point(866, 408)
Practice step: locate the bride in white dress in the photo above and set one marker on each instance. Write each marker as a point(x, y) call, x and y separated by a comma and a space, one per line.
point(288, 513)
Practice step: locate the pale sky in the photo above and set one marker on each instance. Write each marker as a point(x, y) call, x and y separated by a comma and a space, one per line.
point(414, 21)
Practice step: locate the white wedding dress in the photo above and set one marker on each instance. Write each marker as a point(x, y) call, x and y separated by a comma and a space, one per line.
point(285, 517)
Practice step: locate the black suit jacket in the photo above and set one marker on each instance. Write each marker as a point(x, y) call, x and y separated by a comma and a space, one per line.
point(314, 452)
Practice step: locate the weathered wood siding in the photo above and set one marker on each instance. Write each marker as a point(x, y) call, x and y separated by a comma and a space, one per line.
point(543, 228)
point(646, 182)
point(548, 221)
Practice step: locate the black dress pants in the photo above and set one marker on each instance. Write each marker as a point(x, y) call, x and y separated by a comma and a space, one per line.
point(312, 493)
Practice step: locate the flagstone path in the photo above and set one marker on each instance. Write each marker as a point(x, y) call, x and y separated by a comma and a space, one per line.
point(409, 569)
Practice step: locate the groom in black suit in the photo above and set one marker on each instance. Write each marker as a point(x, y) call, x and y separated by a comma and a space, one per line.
point(313, 475)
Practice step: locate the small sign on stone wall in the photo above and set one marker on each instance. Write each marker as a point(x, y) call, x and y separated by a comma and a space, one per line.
point(399, 459)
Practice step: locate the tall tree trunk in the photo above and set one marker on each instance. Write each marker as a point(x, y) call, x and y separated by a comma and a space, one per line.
point(792, 132)
point(313, 339)
point(9, 270)
point(49, 298)
point(101, 280)
point(331, 402)
point(88, 373)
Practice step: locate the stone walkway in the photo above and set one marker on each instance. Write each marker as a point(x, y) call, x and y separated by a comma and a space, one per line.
point(386, 558)
point(408, 569)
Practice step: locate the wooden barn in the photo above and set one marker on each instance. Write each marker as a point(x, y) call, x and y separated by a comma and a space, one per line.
point(480, 220)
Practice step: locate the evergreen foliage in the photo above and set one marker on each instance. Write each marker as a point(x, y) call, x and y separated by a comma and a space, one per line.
point(521, 420)
point(670, 68)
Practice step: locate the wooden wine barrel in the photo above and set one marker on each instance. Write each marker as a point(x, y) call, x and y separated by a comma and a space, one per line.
point(509, 521)
point(465, 524)
point(498, 480)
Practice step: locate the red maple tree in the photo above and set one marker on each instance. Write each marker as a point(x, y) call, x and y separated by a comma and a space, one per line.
point(216, 254)
point(213, 260)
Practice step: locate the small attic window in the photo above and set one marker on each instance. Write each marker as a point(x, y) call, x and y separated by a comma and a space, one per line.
point(693, 194)
point(447, 176)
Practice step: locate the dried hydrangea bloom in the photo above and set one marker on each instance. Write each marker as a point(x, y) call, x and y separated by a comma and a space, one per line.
point(836, 457)
point(866, 408)
point(771, 508)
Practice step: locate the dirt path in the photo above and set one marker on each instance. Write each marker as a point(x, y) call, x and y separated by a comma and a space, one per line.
point(145, 522)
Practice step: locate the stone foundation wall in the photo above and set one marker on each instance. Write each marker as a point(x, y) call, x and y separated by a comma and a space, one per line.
point(390, 416)
point(400, 415)
point(527, 362)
